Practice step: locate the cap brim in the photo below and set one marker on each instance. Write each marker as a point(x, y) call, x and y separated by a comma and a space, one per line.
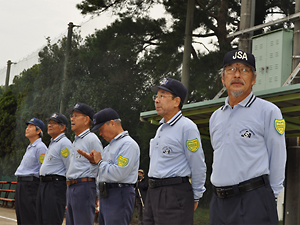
point(70, 111)
point(96, 127)
point(56, 120)
point(156, 88)
point(48, 119)
point(34, 125)
point(239, 61)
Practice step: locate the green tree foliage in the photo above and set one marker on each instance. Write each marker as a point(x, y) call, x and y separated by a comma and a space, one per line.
point(211, 18)
point(8, 106)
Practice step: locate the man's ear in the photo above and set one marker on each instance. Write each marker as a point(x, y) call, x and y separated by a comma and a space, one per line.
point(62, 128)
point(177, 101)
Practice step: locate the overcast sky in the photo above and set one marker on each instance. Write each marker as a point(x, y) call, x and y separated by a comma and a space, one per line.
point(26, 24)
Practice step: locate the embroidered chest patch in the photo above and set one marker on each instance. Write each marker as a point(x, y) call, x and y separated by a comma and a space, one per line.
point(192, 145)
point(246, 133)
point(280, 126)
point(122, 161)
point(166, 150)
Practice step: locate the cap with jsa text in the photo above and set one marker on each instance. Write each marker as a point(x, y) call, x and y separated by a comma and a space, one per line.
point(37, 122)
point(239, 56)
point(103, 116)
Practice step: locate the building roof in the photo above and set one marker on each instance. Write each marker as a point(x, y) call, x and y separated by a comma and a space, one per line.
point(287, 98)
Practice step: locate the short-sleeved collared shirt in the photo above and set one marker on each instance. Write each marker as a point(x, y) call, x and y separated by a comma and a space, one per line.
point(121, 160)
point(32, 159)
point(57, 157)
point(248, 141)
point(176, 151)
point(79, 166)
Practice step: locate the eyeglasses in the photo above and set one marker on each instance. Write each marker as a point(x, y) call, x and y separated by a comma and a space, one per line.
point(76, 115)
point(154, 97)
point(242, 70)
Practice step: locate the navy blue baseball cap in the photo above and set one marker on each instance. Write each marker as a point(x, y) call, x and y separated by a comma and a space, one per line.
point(83, 108)
point(173, 86)
point(60, 118)
point(103, 116)
point(239, 56)
point(37, 122)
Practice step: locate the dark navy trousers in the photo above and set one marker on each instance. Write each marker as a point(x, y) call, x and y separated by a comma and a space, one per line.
point(173, 204)
point(81, 199)
point(254, 207)
point(51, 202)
point(25, 198)
point(117, 208)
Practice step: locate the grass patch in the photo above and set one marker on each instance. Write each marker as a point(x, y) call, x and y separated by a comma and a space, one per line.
point(201, 216)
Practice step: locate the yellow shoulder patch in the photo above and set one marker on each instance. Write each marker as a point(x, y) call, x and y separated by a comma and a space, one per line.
point(64, 152)
point(122, 161)
point(192, 145)
point(41, 158)
point(279, 126)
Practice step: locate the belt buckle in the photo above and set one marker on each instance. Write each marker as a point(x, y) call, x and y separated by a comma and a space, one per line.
point(151, 183)
point(221, 192)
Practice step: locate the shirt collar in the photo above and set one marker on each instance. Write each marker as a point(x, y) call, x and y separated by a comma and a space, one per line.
point(58, 138)
point(247, 102)
point(173, 120)
point(83, 134)
point(120, 136)
point(36, 142)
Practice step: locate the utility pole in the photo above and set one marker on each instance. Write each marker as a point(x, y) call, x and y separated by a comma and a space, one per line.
point(247, 21)
point(292, 187)
point(185, 76)
point(8, 74)
point(68, 51)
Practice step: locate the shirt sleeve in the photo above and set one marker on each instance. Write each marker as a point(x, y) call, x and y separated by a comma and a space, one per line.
point(123, 165)
point(96, 145)
point(65, 153)
point(40, 153)
point(275, 143)
point(195, 156)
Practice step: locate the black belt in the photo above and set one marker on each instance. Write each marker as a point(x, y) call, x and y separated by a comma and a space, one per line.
point(156, 182)
point(27, 178)
point(249, 185)
point(118, 185)
point(48, 178)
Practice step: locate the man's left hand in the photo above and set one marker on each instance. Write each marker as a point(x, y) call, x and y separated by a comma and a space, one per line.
point(195, 205)
point(89, 156)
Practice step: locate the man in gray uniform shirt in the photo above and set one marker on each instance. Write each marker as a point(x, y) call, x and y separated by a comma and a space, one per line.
point(247, 135)
point(28, 173)
point(51, 199)
point(81, 190)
